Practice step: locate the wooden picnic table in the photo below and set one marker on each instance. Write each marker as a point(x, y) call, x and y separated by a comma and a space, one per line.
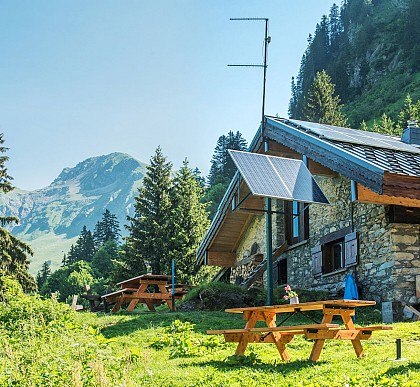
point(280, 334)
point(149, 289)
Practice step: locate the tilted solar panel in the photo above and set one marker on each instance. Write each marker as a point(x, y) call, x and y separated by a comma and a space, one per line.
point(278, 177)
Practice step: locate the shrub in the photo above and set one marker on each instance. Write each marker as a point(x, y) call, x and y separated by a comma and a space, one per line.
point(221, 295)
point(19, 310)
point(179, 337)
point(304, 295)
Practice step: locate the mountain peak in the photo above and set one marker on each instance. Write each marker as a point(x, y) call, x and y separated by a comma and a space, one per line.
point(50, 217)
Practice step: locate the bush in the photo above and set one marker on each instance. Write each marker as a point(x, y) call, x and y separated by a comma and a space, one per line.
point(20, 311)
point(304, 295)
point(220, 295)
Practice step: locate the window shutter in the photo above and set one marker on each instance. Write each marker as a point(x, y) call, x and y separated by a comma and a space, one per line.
point(350, 249)
point(316, 260)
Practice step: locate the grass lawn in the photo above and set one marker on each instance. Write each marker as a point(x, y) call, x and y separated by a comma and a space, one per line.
point(88, 349)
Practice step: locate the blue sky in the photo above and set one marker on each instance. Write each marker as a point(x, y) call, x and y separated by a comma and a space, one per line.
point(83, 78)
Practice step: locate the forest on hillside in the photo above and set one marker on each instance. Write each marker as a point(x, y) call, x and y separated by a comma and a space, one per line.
point(371, 51)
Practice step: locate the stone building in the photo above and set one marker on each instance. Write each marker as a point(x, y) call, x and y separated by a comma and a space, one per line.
point(371, 228)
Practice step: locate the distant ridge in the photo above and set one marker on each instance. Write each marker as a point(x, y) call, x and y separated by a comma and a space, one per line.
point(51, 218)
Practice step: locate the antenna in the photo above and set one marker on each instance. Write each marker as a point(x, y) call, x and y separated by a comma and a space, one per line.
point(267, 40)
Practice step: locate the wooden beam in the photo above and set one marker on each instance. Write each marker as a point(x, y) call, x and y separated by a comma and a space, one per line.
point(221, 258)
point(318, 169)
point(366, 195)
point(394, 184)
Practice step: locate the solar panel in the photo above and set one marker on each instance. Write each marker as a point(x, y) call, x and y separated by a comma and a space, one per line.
point(354, 136)
point(278, 177)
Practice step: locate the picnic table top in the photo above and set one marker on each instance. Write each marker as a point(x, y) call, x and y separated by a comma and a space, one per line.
point(303, 306)
point(146, 277)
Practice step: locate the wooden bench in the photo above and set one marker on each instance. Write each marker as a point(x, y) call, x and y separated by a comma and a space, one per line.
point(111, 297)
point(362, 333)
point(96, 302)
point(265, 334)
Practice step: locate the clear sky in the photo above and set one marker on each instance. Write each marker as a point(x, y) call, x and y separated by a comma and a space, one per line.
point(84, 78)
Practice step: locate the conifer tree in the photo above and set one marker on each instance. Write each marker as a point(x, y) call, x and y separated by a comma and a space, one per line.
point(321, 104)
point(85, 245)
point(410, 111)
point(150, 226)
point(83, 250)
point(14, 254)
point(190, 222)
point(43, 274)
point(221, 162)
point(108, 228)
point(222, 168)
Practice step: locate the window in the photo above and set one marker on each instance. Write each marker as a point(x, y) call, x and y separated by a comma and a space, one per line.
point(337, 250)
point(297, 222)
point(333, 257)
point(280, 272)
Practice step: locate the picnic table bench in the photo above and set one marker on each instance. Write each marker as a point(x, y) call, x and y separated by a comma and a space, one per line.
point(149, 289)
point(319, 332)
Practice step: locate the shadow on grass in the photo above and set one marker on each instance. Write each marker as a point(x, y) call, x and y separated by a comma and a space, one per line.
point(275, 367)
point(402, 369)
point(141, 320)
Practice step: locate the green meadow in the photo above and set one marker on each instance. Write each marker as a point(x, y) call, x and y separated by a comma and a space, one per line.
point(44, 343)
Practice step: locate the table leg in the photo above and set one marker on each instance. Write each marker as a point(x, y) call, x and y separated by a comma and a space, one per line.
point(319, 343)
point(118, 305)
point(133, 303)
point(270, 319)
point(357, 345)
point(163, 290)
point(244, 340)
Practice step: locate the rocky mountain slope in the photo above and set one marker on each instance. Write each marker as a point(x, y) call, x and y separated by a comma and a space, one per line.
point(371, 50)
point(51, 218)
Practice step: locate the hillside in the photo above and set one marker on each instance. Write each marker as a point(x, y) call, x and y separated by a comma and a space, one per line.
point(51, 218)
point(371, 50)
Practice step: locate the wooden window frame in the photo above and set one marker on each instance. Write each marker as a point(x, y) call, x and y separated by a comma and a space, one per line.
point(322, 254)
point(303, 223)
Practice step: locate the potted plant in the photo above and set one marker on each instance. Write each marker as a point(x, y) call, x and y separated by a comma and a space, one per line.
point(291, 295)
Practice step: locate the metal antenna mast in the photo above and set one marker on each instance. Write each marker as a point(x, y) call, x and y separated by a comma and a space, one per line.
point(267, 40)
point(268, 208)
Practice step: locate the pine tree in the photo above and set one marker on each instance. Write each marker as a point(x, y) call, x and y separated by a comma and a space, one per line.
point(293, 104)
point(387, 126)
point(43, 274)
point(321, 104)
point(148, 241)
point(14, 254)
point(72, 257)
point(335, 29)
point(320, 46)
point(83, 250)
point(190, 222)
point(363, 126)
point(108, 228)
point(409, 112)
point(222, 168)
point(221, 163)
point(85, 246)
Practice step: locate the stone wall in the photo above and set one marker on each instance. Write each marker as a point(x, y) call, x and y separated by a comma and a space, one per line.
point(388, 253)
point(406, 244)
point(253, 242)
